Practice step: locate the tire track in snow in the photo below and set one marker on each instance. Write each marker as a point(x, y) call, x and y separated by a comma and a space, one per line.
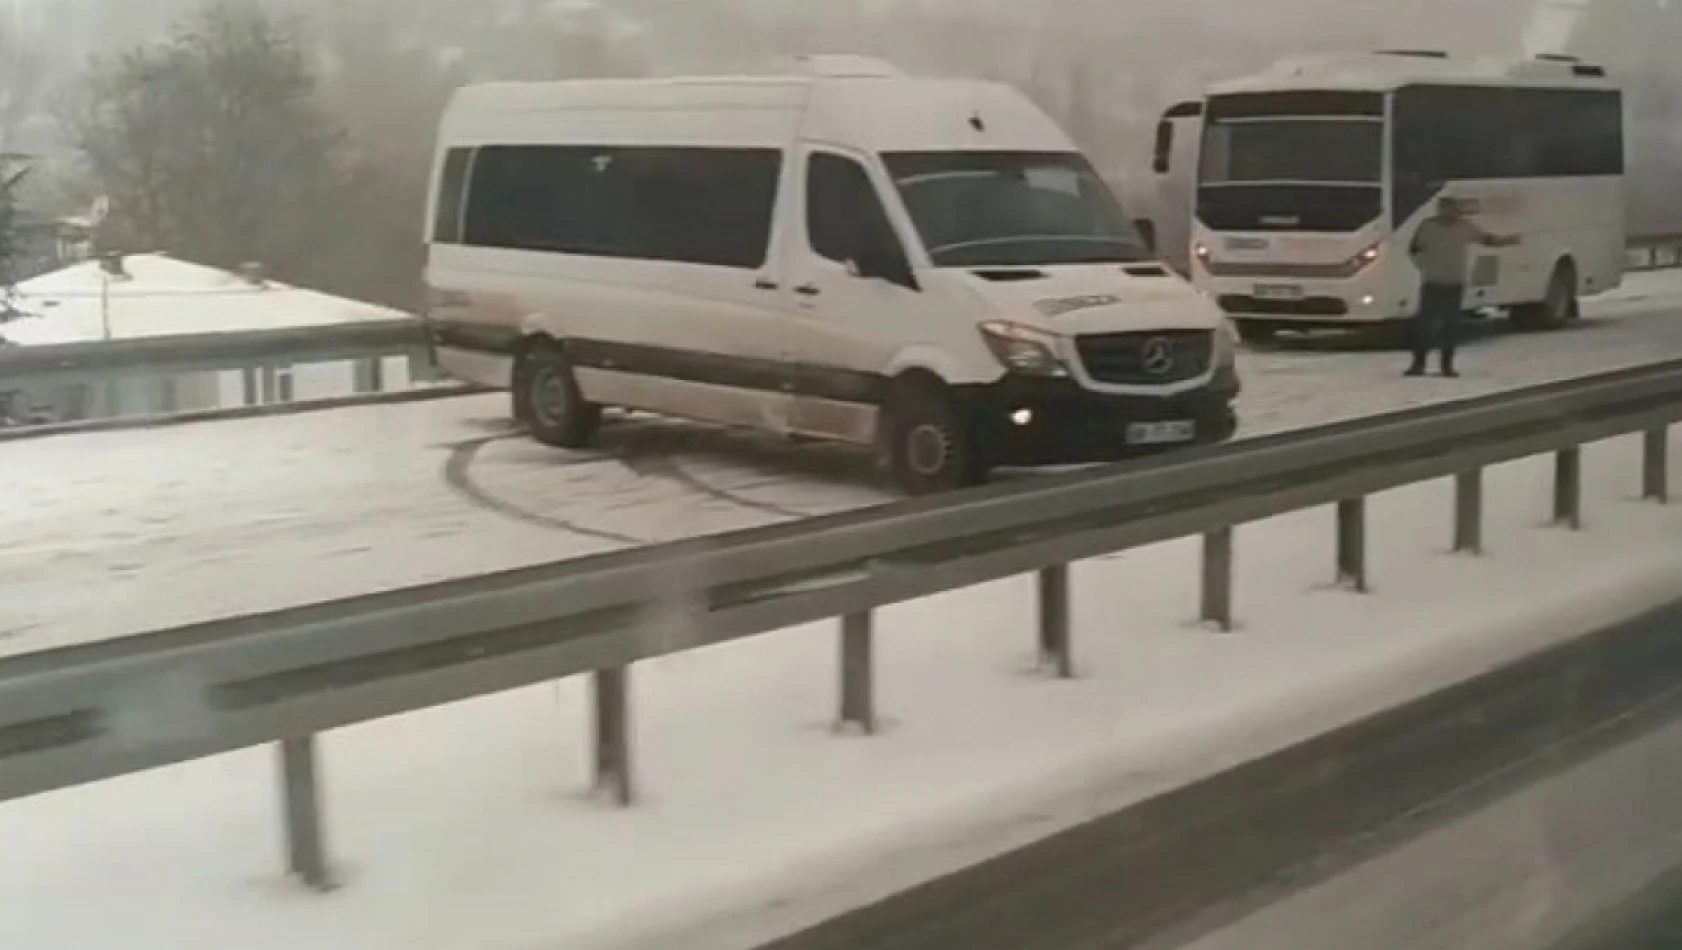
point(458, 475)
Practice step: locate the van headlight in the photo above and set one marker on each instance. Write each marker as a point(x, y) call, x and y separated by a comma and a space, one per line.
point(1354, 265)
point(1023, 349)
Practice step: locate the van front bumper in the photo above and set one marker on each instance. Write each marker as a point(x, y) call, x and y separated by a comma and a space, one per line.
point(1023, 420)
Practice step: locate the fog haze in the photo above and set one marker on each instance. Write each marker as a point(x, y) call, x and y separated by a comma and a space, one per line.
point(381, 70)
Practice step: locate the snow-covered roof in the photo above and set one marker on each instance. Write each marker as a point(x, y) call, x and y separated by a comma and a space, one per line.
point(161, 296)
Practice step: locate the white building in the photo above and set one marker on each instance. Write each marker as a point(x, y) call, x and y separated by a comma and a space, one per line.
point(151, 295)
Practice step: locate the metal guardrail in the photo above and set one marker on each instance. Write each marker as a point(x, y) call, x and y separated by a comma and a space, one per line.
point(1645, 252)
point(422, 392)
point(259, 355)
point(84, 713)
point(209, 352)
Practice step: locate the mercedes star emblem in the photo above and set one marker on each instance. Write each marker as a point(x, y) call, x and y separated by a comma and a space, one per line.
point(1158, 356)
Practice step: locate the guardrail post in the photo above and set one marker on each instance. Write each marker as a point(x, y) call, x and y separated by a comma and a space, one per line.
point(1217, 578)
point(1568, 487)
point(369, 375)
point(306, 849)
point(858, 700)
point(248, 383)
point(1468, 512)
point(1352, 544)
point(610, 691)
point(1056, 651)
point(271, 385)
point(1655, 465)
point(420, 368)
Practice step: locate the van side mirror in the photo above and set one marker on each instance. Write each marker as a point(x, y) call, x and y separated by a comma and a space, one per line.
point(1147, 232)
point(1164, 147)
point(880, 260)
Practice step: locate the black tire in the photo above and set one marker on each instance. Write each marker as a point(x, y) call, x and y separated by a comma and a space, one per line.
point(1558, 308)
point(1257, 331)
point(929, 445)
point(547, 399)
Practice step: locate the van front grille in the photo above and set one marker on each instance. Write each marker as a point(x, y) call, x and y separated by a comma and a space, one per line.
point(1146, 358)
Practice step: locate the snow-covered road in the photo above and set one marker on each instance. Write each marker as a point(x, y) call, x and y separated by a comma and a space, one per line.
point(109, 534)
point(467, 827)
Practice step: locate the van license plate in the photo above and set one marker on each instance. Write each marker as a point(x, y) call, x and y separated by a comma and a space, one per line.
point(1158, 433)
point(1278, 291)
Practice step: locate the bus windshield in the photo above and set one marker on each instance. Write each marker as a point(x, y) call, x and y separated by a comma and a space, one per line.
point(1294, 149)
point(991, 209)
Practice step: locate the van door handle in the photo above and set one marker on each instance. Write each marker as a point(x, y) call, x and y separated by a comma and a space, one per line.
point(807, 290)
point(765, 283)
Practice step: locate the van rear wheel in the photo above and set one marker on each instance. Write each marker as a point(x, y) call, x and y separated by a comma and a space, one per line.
point(547, 399)
point(928, 442)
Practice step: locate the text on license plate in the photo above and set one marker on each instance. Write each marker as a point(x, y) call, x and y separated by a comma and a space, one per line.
point(1278, 292)
point(1157, 433)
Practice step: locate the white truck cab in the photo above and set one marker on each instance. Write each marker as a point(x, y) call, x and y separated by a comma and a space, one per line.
point(928, 266)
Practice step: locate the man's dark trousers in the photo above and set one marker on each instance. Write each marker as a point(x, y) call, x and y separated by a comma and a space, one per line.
point(1437, 324)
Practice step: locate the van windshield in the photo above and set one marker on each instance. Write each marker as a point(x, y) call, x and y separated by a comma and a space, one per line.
point(990, 209)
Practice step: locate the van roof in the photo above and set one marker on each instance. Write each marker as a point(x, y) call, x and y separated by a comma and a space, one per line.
point(847, 101)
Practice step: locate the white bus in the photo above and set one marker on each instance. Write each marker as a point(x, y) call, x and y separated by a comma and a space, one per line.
point(1301, 187)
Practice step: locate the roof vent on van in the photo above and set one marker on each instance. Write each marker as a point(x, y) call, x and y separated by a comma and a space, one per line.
point(845, 66)
point(1557, 58)
point(1416, 53)
point(1005, 275)
point(1587, 70)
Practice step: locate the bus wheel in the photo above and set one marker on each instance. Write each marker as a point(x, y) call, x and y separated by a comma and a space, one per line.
point(1257, 331)
point(928, 443)
point(1559, 307)
point(548, 401)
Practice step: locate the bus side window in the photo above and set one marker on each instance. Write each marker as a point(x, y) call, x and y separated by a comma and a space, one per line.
point(1164, 147)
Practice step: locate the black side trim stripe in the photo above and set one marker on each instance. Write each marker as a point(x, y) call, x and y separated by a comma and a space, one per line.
point(478, 337)
point(812, 380)
point(738, 372)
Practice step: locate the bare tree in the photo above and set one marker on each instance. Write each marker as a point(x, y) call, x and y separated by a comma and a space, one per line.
point(11, 238)
point(214, 145)
point(23, 82)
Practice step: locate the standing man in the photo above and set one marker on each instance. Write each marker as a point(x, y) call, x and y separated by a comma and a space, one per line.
point(1439, 250)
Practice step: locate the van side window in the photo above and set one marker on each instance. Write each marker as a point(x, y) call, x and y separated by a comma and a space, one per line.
point(452, 196)
point(684, 205)
point(843, 211)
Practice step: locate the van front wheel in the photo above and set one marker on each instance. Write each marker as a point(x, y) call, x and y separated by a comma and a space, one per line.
point(929, 445)
point(548, 401)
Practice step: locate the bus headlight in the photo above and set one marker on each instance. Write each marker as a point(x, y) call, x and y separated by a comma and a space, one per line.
point(1022, 349)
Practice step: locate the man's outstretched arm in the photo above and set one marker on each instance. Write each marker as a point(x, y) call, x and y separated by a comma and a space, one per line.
point(1496, 240)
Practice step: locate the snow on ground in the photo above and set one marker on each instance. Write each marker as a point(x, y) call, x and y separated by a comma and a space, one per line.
point(464, 828)
point(121, 532)
point(160, 296)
